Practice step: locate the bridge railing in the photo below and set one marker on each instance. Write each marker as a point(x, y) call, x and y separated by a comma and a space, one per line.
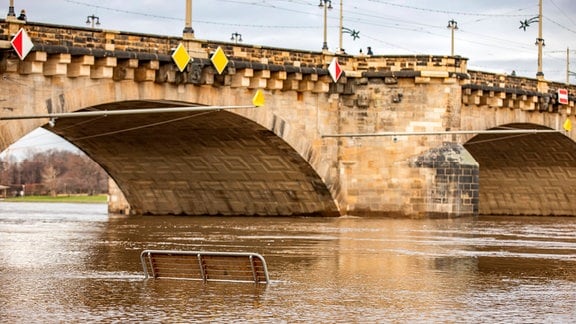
point(503, 91)
point(129, 42)
point(109, 40)
point(512, 82)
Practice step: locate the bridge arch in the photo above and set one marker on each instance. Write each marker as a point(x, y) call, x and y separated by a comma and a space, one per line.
point(526, 174)
point(236, 162)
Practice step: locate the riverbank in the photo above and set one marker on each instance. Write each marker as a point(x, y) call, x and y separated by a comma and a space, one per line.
point(85, 199)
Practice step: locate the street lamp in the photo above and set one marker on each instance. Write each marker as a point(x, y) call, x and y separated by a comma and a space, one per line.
point(236, 37)
point(90, 20)
point(188, 31)
point(452, 25)
point(539, 40)
point(11, 12)
point(568, 72)
point(341, 29)
point(325, 4)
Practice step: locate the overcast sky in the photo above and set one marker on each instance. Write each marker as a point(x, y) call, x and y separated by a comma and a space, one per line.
point(488, 30)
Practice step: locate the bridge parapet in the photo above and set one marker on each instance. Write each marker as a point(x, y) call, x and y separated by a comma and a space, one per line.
point(98, 40)
point(408, 62)
point(103, 54)
point(60, 35)
point(502, 80)
point(508, 91)
point(76, 50)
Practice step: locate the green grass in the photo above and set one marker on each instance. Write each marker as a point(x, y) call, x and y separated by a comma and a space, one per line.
point(96, 199)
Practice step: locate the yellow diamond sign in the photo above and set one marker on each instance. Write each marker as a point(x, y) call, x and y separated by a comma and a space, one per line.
point(219, 60)
point(181, 57)
point(567, 125)
point(258, 99)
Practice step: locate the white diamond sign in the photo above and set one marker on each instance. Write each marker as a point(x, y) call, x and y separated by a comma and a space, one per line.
point(22, 43)
point(335, 70)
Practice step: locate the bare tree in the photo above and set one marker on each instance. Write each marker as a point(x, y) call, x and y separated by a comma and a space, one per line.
point(53, 172)
point(50, 178)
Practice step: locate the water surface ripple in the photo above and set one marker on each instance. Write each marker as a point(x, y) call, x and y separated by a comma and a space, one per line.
point(76, 263)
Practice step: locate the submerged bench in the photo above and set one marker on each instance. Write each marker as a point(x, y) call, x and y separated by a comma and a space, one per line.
point(205, 266)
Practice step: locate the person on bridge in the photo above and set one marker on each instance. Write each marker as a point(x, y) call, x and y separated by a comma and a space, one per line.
point(22, 15)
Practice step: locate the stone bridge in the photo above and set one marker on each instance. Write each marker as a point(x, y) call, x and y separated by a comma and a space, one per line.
point(310, 149)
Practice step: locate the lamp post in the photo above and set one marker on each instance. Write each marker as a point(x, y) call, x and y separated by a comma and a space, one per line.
point(91, 20)
point(236, 37)
point(11, 12)
point(540, 42)
point(568, 72)
point(188, 31)
point(340, 30)
point(325, 4)
point(452, 25)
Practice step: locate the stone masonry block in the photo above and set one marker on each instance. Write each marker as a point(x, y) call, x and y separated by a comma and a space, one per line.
point(57, 64)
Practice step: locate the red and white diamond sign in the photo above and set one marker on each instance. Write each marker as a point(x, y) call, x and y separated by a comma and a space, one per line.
point(563, 96)
point(22, 43)
point(335, 70)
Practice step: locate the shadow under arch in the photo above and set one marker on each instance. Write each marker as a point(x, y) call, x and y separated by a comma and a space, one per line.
point(525, 174)
point(200, 163)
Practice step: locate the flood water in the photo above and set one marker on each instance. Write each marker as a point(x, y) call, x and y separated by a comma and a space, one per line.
point(75, 263)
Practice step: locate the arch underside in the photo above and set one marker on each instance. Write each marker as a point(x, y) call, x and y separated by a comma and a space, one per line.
point(528, 174)
point(198, 163)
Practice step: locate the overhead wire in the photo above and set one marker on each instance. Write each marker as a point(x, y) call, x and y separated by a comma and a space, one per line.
point(560, 25)
point(140, 127)
point(563, 12)
point(450, 12)
point(396, 23)
point(200, 20)
point(361, 12)
point(62, 141)
point(499, 138)
point(90, 5)
point(505, 43)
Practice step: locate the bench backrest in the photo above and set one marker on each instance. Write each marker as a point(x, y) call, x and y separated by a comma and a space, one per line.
point(205, 266)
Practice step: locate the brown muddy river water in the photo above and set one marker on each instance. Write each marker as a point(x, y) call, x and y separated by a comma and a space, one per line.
point(75, 263)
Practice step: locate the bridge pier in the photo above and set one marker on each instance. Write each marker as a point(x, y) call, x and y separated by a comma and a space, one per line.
point(117, 203)
point(403, 176)
point(442, 182)
point(452, 182)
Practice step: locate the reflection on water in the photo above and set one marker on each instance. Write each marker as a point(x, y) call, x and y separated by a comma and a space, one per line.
point(72, 263)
